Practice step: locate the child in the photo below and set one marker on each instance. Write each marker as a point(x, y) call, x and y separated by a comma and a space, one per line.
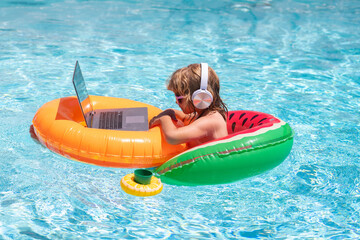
point(203, 115)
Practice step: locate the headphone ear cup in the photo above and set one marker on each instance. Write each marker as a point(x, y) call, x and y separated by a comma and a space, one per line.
point(202, 99)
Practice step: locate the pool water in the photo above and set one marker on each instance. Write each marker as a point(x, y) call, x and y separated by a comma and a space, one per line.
point(296, 59)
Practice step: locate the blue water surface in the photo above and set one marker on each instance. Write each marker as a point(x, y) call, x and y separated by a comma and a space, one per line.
point(296, 59)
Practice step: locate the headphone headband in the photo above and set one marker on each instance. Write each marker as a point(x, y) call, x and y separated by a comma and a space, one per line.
point(204, 76)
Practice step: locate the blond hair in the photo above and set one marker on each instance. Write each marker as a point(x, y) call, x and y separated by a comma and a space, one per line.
point(185, 81)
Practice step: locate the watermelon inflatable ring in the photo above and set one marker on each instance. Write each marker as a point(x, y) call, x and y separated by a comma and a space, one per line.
point(256, 143)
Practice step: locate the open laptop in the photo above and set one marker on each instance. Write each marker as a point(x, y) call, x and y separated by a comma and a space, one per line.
point(126, 119)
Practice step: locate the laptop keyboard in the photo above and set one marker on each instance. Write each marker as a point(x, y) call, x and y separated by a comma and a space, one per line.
point(110, 120)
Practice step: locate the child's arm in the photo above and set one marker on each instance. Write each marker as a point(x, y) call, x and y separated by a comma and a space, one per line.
point(185, 118)
point(175, 115)
point(174, 135)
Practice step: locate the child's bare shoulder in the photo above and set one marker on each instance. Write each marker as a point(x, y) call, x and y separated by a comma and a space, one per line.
point(213, 118)
point(216, 115)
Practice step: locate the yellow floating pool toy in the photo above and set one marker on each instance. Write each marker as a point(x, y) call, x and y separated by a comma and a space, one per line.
point(133, 187)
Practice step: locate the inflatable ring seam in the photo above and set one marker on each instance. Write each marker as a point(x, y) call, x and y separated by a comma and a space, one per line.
point(223, 154)
point(250, 148)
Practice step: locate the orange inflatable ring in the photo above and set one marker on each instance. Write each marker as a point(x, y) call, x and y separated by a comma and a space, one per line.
point(59, 125)
point(131, 187)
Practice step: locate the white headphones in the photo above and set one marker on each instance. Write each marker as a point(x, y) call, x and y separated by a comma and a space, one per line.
point(202, 98)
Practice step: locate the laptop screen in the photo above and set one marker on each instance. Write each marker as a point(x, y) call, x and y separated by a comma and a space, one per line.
point(82, 94)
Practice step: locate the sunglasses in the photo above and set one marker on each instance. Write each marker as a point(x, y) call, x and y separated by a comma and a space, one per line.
point(179, 99)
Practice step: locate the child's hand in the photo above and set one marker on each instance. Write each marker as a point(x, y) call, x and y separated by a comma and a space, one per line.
point(155, 121)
